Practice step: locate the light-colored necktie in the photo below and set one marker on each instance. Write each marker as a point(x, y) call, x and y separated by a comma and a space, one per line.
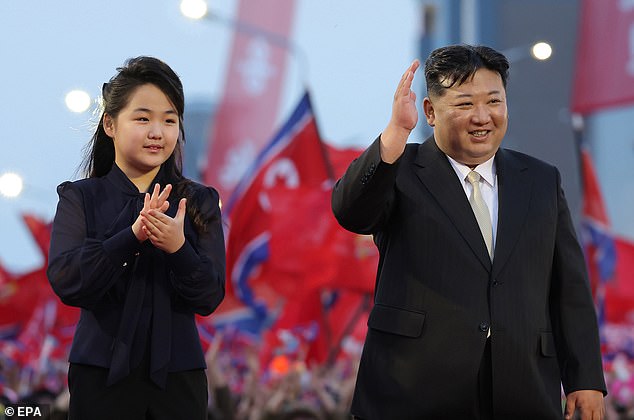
point(481, 211)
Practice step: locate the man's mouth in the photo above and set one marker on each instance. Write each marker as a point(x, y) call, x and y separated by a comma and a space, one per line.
point(479, 133)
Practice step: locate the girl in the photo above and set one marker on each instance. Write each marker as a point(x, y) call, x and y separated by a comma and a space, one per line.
point(140, 249)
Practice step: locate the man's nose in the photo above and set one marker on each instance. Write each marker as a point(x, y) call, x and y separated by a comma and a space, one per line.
point(481, 114)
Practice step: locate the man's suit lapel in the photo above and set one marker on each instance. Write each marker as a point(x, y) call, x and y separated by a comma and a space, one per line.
point(435, 172)
point(514, 193)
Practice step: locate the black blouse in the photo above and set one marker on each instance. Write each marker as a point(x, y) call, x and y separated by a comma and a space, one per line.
point(134, 298)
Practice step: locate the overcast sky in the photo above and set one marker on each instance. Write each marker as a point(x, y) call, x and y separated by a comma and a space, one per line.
point(355, 50)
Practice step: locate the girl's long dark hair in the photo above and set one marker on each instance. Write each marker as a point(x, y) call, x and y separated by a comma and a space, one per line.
point(100, 154)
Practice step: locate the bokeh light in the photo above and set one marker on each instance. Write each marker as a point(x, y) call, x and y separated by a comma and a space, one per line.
point(11, 184)
point(194, 9)
point(542, 51)
point(77, 101)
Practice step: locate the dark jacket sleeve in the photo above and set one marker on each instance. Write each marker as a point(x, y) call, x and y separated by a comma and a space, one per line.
point(198, 267)
point(82, 269)
point(363, 198)
point(574, 322)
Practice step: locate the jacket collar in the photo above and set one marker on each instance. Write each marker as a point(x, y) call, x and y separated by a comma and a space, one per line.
point(434, 170)
point(514, 189)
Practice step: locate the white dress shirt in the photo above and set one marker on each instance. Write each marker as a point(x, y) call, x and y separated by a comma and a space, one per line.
point(488, 186)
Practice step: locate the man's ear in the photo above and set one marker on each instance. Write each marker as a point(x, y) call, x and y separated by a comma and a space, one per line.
point(428, 108)
point(108, 125)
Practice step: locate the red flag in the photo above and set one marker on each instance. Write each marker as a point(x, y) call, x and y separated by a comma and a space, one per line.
point(18, 297)
point(347, 320)
point(619, 293)
point(4, 276)
point(20, 294)
point(593, 207)
point(300, 332)
point(41, 232)
point(66, 316)
point(35, 325)
point(286, 183)
point(340, 158)
point(605, 56)
point(357, 254)
point(610, 259)
point(245, 118)
point(286, 251)
point(307, 243)
point(598, 240)
point(293, 162)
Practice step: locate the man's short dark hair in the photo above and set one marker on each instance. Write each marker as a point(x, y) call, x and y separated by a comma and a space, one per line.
point(453, 65)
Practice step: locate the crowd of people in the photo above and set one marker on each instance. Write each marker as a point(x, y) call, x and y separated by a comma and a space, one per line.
point(287, 388)
point(239, 387)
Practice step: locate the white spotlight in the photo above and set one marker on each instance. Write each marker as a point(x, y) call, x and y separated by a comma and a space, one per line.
point(194, 9)
point(77, 100)
point(10, 184)
point(542, 51)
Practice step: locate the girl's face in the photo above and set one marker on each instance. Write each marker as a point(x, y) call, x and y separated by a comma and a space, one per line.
point(145, 132)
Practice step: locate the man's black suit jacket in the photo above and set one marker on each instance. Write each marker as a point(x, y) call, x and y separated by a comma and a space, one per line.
point(437, 291)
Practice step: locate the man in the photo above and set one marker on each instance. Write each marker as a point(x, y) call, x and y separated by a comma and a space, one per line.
point(482, 305)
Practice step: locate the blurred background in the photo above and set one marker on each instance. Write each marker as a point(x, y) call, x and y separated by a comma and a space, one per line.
point(246, 65)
